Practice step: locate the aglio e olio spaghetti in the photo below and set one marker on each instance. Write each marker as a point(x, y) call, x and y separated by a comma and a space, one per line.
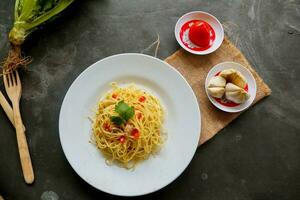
point(127, 127)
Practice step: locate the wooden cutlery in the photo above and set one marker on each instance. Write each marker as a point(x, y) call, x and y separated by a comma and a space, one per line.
point(7, 109)
point(13, 89)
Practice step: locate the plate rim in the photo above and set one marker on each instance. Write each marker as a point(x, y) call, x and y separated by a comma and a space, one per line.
point(194, 98)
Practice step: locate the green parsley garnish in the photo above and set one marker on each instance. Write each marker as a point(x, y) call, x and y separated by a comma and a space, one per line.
point(125, 113)
point(117, 120)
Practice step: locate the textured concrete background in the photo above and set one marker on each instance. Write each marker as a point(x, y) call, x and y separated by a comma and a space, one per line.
point(255, 157)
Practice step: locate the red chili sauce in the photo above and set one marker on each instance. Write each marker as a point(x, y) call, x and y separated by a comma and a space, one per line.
point(197, 35)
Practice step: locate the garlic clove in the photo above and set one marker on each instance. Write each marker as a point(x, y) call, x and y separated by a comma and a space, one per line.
point(217, 81)
point(217, 92)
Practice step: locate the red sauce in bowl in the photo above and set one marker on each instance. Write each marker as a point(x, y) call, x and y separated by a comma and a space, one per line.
point(197, 35)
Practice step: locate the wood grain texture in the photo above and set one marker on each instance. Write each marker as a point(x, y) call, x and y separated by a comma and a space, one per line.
point(195, 68)
point(13, 89)
point(22, 145)
point(8, 110)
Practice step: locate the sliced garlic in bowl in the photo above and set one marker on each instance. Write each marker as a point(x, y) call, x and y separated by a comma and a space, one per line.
point(237, 100)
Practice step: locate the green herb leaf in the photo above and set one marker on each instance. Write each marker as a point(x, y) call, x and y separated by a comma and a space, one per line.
point(124, 110)
point(117, 120)
point(129, 114)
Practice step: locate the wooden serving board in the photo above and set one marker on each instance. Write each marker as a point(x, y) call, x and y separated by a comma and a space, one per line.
point(195, 68)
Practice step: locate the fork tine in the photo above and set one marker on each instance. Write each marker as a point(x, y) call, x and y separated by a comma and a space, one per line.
point(14, 79)
point(9, 79)
point(18, 81)
point(5, 80)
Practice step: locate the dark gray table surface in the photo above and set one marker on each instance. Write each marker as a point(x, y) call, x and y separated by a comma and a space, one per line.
point(255, 157)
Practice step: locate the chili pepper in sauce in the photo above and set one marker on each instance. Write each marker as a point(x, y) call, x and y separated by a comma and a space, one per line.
point(200, 33)
point(197, 35)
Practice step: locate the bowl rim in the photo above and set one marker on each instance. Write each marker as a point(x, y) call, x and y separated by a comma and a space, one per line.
point(230, 109)
point(209, 50)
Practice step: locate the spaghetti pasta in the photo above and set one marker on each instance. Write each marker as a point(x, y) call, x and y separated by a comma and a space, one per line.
point(128, 141)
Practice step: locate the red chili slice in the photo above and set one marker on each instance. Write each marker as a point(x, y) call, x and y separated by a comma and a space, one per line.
point(135, 133)
point(139, 115)
point(122, 139)
point(107, 126)
point(114, 96)
point(142, 99)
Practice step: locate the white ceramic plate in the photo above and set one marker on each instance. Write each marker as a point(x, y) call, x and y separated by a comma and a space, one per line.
point(250, 80)
point(211, 20)
point(182, 124)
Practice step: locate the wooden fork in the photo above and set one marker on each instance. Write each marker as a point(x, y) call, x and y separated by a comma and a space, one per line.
point(13, 89)
point(8, 110)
